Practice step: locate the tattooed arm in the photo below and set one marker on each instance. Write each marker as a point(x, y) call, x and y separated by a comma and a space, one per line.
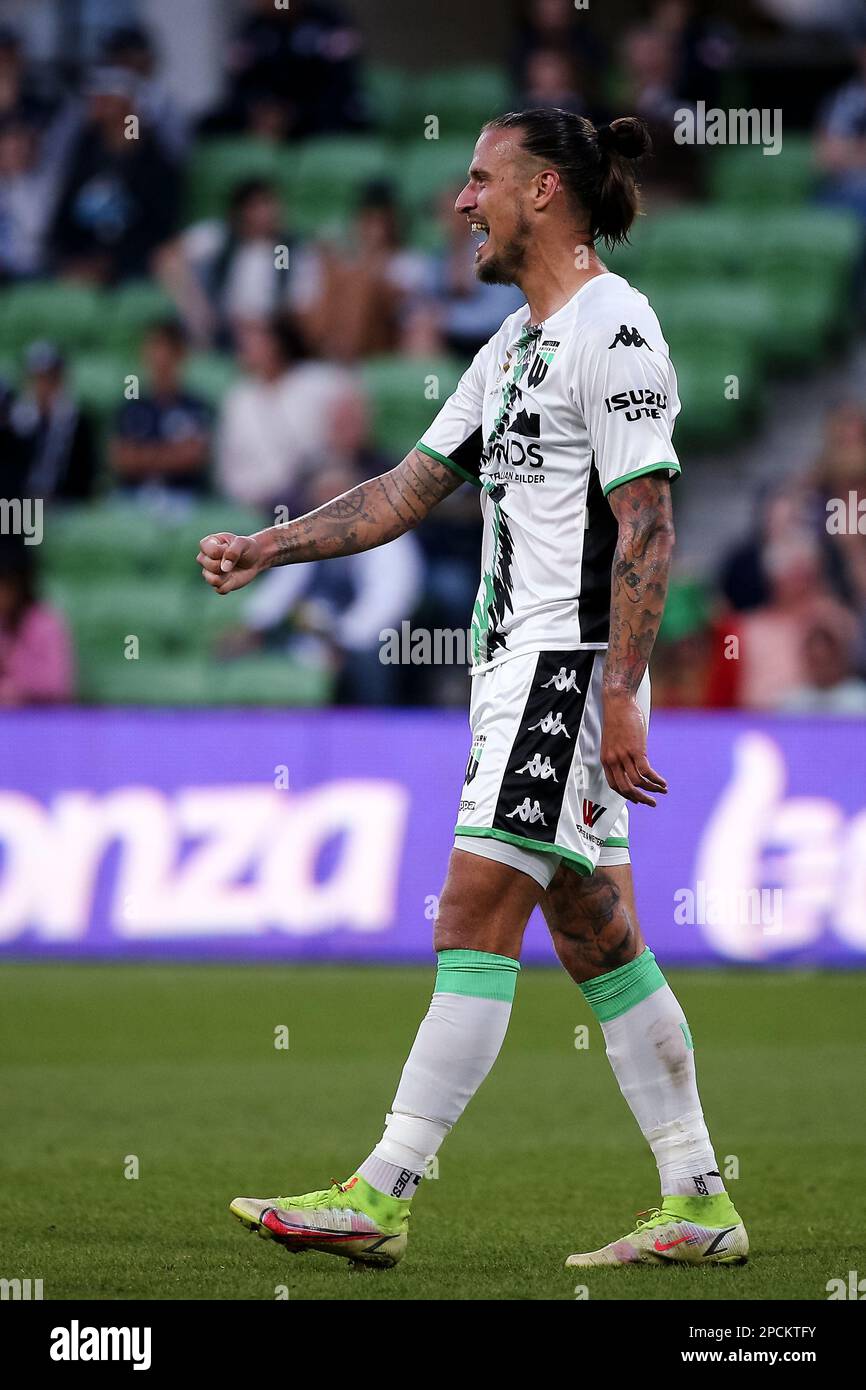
point(368, 515)
point(639, 585)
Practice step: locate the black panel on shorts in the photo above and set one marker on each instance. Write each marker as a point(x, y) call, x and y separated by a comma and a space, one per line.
point(528, 804)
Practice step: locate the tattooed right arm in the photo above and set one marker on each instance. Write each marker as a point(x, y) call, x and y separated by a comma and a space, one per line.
point(368, 515)
point(371, 514)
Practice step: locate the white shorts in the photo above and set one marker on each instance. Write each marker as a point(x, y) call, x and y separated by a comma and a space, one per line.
point(535, 794)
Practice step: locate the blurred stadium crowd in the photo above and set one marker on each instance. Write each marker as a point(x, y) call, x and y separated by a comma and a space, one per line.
point(222, 322)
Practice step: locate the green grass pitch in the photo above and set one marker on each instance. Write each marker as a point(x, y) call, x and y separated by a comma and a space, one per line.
point(177, 1066)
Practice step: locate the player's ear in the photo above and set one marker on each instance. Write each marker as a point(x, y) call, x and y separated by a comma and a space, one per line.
point(546, 186)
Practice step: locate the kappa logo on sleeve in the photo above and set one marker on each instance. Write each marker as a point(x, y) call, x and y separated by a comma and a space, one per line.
point(629, 337)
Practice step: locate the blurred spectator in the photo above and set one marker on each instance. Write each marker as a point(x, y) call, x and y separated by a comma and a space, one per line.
point(21, 95)
point(27, 191)
point(330, 613)
point(830, 685)
point(57, 435)
point(551, 80)
point(223, 273)
point(841, 138)
point(771, 662)
point(162, 440)
point(355, 298)
point(683, 655)
point(14, 451)
point(470, 311)
point(276, 417)
point(841, 463)
point(293, 72)
point(119, 201)
point(780, 510)
point(651, 72)
point(553, 26)
point(347, 443)
point(36, 662)
point(130, 48)
point(703, 46)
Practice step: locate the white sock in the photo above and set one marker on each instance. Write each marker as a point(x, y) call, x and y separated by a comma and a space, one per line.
point(650, 1049)
point(455, 1048)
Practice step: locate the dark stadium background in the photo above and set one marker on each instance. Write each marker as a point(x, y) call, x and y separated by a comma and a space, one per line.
point(220, 817)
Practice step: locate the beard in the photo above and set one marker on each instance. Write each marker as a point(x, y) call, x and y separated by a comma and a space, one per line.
point(504, 267)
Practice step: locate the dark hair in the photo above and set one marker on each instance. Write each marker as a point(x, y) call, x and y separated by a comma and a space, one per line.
point(248, 190)
point(170, 330)
point(596, 164)
point(286, 334)
point(18, 570)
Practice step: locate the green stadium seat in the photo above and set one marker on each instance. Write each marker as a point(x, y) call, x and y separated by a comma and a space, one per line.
point(388, 95)
point(428, 168)
point(267, 680)
point(130, 311)
point(694, 315)
point(217, 166)
point(709, 420)
point(209, 375)
point(806, 263)
point(73, 316)
point(99, 380)
point(113, 540)
point(178, 681)
point(743, 175)
point(103, 615)
point(687, 610)
point(330, 175)
point(709, 242)
point(462, 98)
point(405, 394)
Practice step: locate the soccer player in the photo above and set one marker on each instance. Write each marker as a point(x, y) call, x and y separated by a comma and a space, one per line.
point(563, 421)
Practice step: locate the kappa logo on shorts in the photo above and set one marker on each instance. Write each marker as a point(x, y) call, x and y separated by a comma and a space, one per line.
point(592, 812)
point(563, 682)
point(551, 724)
point(536, 768)
point(528, 811)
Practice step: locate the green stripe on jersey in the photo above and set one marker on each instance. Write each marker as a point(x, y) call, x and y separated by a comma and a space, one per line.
point(639, 473)
point(449, 463)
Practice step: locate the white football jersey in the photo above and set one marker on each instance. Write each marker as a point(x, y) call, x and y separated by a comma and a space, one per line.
point(547, 421)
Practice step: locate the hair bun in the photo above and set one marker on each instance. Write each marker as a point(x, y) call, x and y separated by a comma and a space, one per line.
point(627, 136)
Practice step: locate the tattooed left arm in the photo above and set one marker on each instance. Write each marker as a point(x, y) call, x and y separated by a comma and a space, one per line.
point(639, 585)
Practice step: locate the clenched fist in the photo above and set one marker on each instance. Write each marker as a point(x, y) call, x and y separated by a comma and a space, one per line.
point(229, 562)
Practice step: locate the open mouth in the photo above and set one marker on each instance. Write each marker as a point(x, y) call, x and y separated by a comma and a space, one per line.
point(480, 232)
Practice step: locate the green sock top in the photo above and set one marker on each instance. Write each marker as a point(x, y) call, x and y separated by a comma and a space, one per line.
point(477, 973)
point(619, 990)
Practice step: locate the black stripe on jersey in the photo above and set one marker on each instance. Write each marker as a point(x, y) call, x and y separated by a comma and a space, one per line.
point(599, 545)
point(533, 784)
point(465, 459)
